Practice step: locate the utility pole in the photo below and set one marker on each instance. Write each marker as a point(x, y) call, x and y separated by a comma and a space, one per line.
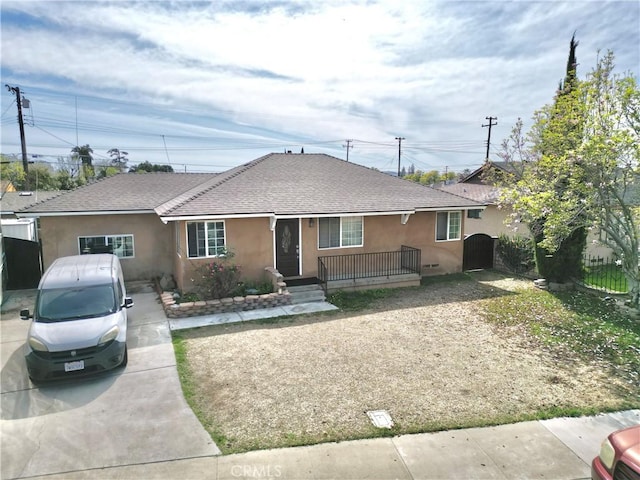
point(399, 152)
point(490, 124)
point(23, 142)
point(348, 146)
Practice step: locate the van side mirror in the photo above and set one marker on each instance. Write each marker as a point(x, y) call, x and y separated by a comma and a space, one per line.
point(128, 302)
point(25, 315)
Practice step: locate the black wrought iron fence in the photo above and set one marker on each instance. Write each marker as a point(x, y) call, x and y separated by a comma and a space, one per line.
point(604, 273)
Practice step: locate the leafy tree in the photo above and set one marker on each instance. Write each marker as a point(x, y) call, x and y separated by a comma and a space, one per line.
point(107, 171)
point(13, 172)
point(560, 136)
point(41, 177)
point(118, 158)
point(150, 167)
point(84, 153)
point(589, 177)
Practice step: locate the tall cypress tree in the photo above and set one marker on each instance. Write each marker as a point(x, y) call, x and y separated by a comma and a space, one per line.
point(559, 139)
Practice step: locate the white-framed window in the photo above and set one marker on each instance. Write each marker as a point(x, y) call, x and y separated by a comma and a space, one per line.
point(448, 226)
point(205, 239)
point(337, 232)
point(120, 245)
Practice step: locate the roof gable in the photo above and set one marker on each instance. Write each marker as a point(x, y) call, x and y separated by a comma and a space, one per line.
point(307, 185)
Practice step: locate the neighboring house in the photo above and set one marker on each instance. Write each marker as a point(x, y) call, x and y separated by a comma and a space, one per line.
point(288, 211)
point(491, 220)
point(21, 260)
point(10, 203)
point(496, 220)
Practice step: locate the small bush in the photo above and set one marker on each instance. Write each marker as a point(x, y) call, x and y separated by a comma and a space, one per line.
point(217, 279)
point(517, 253)
point(250, 287)
point(188, 297)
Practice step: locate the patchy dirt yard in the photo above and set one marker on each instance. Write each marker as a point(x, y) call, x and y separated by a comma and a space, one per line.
point(425, 355)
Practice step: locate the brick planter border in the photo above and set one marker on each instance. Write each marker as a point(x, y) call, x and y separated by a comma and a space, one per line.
point(226, 305)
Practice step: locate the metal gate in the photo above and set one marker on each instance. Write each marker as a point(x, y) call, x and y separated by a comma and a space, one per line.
point(478, 252)
point(23, 263)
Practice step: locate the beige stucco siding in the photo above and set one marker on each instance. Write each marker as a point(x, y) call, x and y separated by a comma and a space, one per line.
point(250, 240)
point(153, 242)
point(387, 233)
point(492, 222)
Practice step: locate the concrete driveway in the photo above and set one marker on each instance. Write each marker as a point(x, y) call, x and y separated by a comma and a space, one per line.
point(129, 416)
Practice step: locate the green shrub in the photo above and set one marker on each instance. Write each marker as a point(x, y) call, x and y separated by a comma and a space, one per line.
point(252, 287)
point(188, 297)
point(217, 279)
point(517, 253)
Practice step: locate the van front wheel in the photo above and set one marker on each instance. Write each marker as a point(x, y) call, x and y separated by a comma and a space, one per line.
point(125, 359)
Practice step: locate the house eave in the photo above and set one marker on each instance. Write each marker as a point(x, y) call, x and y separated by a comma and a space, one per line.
point(82, 214)
point(449, 209)
point(167, 219)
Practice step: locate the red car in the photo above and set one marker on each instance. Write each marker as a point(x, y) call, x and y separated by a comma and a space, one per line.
point(619, 457)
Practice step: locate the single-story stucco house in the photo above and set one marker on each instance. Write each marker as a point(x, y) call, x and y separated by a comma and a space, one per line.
point(307, 215)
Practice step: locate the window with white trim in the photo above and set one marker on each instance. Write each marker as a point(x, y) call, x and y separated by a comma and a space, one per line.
point(336, 232)
point(119, 245)
point(205, 239)
point(448, 226)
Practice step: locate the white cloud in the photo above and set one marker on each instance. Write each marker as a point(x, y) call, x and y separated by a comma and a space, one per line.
point(372, 70)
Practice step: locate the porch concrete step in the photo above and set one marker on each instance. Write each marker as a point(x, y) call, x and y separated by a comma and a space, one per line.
point(306, 294)
point(393, 281)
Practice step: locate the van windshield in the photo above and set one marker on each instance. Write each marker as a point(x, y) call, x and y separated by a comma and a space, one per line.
point(62, 304)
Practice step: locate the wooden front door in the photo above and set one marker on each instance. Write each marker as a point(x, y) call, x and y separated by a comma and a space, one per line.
point(288, 247)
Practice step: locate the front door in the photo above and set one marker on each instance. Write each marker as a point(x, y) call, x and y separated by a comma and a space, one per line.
point(287, 247)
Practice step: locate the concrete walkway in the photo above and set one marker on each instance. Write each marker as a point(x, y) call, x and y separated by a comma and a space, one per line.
point(265, 313)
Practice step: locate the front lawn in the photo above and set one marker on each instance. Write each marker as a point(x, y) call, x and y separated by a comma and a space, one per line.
point(474, 350)
point(583, 324)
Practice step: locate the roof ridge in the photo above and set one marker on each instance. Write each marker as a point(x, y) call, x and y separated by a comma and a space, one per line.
point(184, 198)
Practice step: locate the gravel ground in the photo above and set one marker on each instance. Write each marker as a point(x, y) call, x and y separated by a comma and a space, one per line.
point(425, 355)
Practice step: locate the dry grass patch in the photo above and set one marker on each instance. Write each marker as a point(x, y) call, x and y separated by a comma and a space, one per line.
point(426, 355)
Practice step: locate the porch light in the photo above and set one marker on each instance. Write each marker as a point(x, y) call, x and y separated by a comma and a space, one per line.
point(311, 223)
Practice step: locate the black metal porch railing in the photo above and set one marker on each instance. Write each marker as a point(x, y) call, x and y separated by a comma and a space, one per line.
point(367, 265)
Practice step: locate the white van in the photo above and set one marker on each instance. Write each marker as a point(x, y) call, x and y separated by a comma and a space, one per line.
point(79, 324)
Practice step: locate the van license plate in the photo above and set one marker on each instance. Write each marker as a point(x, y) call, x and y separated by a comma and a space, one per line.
point(73, 366)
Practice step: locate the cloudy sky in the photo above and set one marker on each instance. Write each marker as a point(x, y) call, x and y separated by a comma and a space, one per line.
point(205, 86)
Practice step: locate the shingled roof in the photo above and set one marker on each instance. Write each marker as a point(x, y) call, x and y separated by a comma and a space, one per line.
point(276, 184)
point(125, 192)
point(487, 194)
point(11, 202)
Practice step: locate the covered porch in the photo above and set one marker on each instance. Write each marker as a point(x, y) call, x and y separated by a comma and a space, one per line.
point(399, 268)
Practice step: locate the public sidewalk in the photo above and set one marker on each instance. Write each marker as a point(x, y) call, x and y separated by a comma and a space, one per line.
point(560, 449)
